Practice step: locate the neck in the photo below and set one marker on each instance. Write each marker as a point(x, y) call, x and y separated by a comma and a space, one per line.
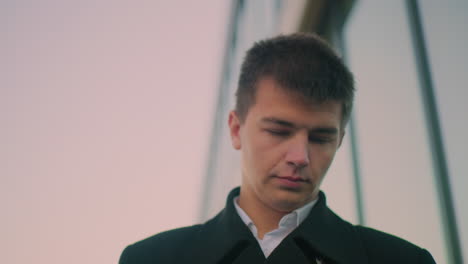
point(264, 217)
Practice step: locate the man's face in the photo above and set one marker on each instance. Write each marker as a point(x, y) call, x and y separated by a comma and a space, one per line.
point(286, 146)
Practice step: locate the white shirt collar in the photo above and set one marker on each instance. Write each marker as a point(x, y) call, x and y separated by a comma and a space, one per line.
point(291, 220)
point(286, 225)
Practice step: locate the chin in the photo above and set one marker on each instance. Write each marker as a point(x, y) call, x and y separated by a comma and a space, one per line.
point(288, 204)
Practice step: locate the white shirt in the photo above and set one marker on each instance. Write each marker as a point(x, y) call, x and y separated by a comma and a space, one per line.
point(286, 225)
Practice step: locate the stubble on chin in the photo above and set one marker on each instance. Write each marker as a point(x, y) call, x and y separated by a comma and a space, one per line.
point(286, 201)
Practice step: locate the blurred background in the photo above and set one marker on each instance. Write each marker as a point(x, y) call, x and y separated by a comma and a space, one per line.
point(113, 118)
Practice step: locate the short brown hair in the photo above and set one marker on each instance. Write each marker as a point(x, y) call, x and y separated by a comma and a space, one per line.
point(302, 63)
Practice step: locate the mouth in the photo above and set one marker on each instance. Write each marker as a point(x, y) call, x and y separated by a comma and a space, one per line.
point(291, 181)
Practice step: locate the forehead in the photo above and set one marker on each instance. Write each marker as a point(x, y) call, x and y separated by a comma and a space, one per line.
point(271, 100)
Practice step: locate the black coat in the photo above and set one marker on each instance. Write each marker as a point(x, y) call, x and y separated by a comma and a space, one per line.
point(226, 239)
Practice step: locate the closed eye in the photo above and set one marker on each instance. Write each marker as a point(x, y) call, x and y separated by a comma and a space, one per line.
point(279, 133)
point(319, 140)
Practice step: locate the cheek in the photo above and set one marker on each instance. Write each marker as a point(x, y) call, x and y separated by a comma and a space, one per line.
point(262, 155)
point(323, 157)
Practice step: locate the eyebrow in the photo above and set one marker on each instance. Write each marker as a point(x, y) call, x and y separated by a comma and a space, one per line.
point(321, 130)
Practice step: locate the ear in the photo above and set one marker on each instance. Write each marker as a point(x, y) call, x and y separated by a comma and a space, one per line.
point(234, 128)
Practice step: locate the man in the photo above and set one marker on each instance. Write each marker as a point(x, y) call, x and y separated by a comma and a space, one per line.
point(294, 99)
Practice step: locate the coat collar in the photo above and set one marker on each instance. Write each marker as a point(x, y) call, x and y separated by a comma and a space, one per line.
point(330, 236)
point(228, 239)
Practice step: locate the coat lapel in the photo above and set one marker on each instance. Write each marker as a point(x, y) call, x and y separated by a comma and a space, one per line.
point(325, 234)
point(226, 239)
point(289, 252)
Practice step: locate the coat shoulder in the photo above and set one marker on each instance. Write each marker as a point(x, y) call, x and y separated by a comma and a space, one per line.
point(379, 244)
point(160, 247)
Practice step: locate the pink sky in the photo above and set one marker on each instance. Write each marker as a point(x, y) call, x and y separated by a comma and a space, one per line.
point(106, 112)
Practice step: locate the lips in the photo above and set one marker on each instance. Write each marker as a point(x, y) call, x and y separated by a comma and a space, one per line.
point(291, 181)
point(292, 178)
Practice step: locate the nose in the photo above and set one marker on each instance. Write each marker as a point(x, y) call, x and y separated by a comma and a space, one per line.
point(297, 154)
